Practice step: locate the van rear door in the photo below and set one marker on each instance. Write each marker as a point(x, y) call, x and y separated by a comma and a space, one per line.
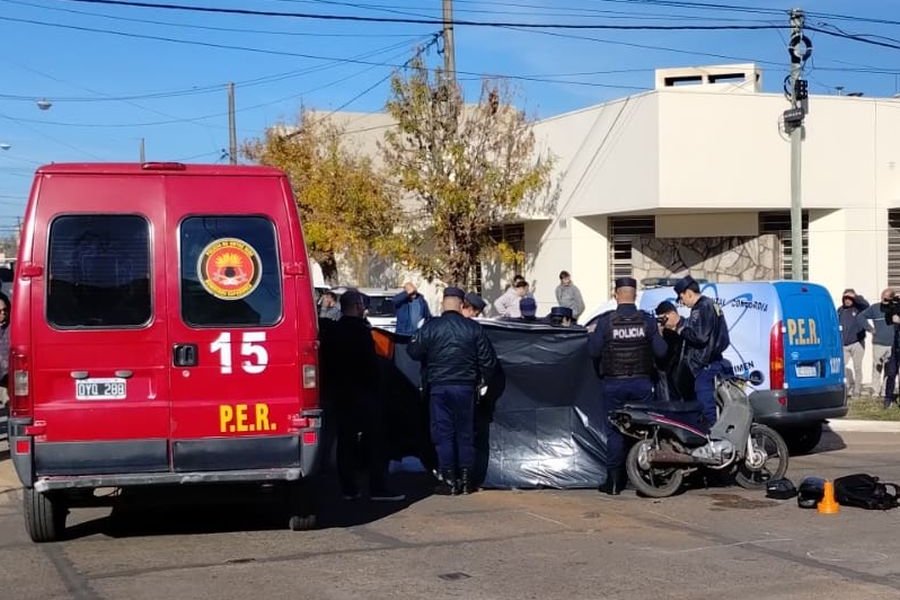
point(98, 352)
point(812, 345)
point(233, 327)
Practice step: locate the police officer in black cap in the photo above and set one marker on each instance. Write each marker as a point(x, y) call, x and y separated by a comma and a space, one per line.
point(705, 339)
point(625, 341)
point(456, 358)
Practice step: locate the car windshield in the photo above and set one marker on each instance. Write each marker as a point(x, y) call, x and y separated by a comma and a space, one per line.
point(380, 306)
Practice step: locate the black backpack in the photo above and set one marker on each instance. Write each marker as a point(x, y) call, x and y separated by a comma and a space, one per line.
point(865, 491)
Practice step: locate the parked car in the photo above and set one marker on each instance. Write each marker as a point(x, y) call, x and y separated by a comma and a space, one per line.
point(789, 332)
point(379, 305)
point(163, 334)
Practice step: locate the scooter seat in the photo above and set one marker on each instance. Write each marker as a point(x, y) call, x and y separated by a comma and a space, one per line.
point(666, 407)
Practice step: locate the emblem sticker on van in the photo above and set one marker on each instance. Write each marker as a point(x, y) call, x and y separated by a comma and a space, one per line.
point(229, 268)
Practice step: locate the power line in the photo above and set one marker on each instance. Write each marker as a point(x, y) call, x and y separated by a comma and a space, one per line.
point(221, 114)
point(209, 27)
point(559, 11)
point(416, 20)
point(208, 89)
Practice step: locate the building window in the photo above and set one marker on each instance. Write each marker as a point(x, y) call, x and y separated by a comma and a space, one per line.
point(623, 231)
point(779, 224)
point(893, 258)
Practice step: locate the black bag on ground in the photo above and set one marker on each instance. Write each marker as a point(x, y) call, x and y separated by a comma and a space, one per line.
point(865, 491)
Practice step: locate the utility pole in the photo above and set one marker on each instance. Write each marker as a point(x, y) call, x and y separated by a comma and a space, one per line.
point(449, 48)
point(232, 128)
point(797, 92)
point(143, 156)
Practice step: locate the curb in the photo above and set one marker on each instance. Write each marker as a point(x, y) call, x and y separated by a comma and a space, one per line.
point(861, 426)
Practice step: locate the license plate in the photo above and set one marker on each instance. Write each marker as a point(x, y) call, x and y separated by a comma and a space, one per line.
point(807, 371)
point(111, 388)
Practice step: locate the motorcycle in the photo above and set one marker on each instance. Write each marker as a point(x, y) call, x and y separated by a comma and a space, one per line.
point(669, 446)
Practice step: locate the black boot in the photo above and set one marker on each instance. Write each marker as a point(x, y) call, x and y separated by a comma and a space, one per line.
point(614, 483)
point(465, 481)
point(447, 485)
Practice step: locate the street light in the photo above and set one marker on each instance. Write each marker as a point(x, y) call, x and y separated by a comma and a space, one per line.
point(44, 104)
point(5, 146)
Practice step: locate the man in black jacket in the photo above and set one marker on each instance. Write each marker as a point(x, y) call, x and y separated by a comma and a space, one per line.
point(351, 367)
point(705, 337)
point(456, 358)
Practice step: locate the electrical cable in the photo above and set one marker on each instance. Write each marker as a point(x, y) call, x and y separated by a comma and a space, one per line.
point(207, 27)
point(416, 20)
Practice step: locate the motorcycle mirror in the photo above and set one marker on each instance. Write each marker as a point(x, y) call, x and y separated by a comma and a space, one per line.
point(756, 378)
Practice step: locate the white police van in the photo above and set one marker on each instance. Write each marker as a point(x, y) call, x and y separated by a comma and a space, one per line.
point(789, 332)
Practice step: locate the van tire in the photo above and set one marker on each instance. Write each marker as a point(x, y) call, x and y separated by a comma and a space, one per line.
point(301, 506)
point(298, 523)
point(45, 517)
point(803, 440)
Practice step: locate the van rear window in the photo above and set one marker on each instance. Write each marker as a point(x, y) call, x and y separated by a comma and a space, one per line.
point(230, 274)
point(99, 271)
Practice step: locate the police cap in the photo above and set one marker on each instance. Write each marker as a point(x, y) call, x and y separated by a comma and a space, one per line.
point(475, 301)
point(626, 282)
point(454, 292)
point(685, 283)
point(528, 306)
point(563, 312)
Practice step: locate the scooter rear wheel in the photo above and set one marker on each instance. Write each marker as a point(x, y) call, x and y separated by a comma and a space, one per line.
point(655, 482)
point(775, 465)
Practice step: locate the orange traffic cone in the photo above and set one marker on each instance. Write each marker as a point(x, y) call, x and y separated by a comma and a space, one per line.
point(828, 505)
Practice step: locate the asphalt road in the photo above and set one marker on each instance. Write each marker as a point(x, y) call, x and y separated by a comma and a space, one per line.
point(705, 543)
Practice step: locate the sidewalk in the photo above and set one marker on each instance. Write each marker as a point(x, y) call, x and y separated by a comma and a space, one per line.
point(864, 426)
point(8, 478)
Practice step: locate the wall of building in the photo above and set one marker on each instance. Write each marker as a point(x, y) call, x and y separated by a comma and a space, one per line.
point(712, 258)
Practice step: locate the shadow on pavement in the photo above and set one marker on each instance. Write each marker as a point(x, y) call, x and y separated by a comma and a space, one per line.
point(189, 512)
point(831, 442)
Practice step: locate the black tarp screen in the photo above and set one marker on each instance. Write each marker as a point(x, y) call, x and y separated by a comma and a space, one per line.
point(545, 429)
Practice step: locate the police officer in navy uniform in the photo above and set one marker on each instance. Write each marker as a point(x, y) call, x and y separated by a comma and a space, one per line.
point(625, 341)
point(457, 358)
point(705, 339)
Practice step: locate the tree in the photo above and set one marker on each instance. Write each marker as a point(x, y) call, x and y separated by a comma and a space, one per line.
point(470, 166)
point(346, 206)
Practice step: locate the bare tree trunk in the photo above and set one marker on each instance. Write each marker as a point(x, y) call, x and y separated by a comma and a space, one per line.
point(328, 264)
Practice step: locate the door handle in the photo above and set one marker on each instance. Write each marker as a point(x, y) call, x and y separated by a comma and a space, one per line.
point(185, 355)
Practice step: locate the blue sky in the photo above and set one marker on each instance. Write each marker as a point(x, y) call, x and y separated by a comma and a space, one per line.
point(109, 90)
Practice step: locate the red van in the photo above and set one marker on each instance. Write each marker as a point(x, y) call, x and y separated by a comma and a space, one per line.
point(163, 333)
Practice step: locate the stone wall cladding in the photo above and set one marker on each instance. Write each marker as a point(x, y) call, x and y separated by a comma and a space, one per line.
point(714, 258)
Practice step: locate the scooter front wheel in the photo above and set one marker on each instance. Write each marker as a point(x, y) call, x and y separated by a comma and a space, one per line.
point(769, 463)
point(653, 481)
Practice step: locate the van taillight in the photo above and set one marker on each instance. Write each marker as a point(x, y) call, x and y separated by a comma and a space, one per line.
point(309, 377)
point(21, 387)
point(776, 357)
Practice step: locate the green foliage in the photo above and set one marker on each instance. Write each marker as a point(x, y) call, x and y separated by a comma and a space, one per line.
point(347, 207)
point(471, 166)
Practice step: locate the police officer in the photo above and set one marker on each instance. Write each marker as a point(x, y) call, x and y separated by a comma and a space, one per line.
point(705, 337)
point(625, 341)
point(457, 357)
point(473, 306)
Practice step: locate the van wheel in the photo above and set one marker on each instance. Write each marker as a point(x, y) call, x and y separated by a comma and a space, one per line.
point(298, 523)
point(301, 506)
point(45, 517)
point(803, 440)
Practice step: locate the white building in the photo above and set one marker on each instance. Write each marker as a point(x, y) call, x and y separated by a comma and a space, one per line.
point(694, 176)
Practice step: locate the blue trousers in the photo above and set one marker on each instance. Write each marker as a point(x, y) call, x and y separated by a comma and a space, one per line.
point(705, 389)
point(453, 425)
point(616, 394)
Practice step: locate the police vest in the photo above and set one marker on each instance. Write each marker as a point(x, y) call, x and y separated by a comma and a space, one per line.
point(627, 351)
